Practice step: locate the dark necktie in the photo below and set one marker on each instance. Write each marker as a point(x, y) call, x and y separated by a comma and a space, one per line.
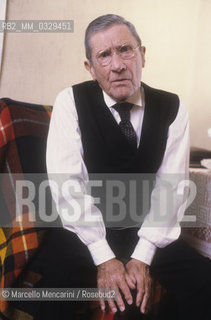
point(125, 125)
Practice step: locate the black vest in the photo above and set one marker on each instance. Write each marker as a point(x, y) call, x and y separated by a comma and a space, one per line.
point(106, 150)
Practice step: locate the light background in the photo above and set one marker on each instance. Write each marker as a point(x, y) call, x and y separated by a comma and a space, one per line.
point(3, 4)
point(176, 33)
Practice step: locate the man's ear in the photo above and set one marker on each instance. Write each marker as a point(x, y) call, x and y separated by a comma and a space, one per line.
point(143, 51)
point(88, 65)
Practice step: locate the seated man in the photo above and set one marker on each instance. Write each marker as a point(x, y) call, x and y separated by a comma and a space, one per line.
point(116, 124)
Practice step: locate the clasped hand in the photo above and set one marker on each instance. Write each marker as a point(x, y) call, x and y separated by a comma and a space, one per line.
point(112, 274)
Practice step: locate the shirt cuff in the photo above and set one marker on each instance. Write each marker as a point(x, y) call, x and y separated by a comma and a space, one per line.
point(144, 251)
point(100, 251)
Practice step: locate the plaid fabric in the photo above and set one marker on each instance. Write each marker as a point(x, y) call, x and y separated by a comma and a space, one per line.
point(23, 133)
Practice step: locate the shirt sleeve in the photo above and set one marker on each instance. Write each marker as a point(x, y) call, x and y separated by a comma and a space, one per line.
point(161, 226)
point(68, 179)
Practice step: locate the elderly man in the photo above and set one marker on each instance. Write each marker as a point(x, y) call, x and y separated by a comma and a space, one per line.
point(117, 124)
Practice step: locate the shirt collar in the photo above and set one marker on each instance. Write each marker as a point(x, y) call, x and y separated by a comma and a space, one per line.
point(137, 98)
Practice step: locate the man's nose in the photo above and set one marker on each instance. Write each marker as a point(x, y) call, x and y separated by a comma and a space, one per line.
point(117, 64)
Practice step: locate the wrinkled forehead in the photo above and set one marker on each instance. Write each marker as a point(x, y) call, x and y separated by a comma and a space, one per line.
point(111, 37)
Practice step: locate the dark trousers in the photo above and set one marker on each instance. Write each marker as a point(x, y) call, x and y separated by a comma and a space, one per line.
point(66, 262)
point(187, 277)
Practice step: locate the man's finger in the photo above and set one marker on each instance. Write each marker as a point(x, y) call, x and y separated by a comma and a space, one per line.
point(139, 296)
point(112, 305)
point(120, 302)
point(102, 305)
point(145, 303)
point(126, 292)
point(130, 282)
point(148, 297)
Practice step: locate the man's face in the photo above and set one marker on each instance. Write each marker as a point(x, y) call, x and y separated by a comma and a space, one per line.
point(121, 78)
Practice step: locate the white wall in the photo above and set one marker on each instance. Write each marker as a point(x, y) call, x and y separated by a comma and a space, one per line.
point(176, 33)
point(200, 100)
point(3, 6)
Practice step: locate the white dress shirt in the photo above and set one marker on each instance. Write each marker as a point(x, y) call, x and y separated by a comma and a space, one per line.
point(65, 155)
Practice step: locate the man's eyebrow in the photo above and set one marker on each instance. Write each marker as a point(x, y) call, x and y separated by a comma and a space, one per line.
point(104, 50)
point(116, 47)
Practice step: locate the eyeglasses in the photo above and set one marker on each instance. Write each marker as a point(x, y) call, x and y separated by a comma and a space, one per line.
point(125, 51)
